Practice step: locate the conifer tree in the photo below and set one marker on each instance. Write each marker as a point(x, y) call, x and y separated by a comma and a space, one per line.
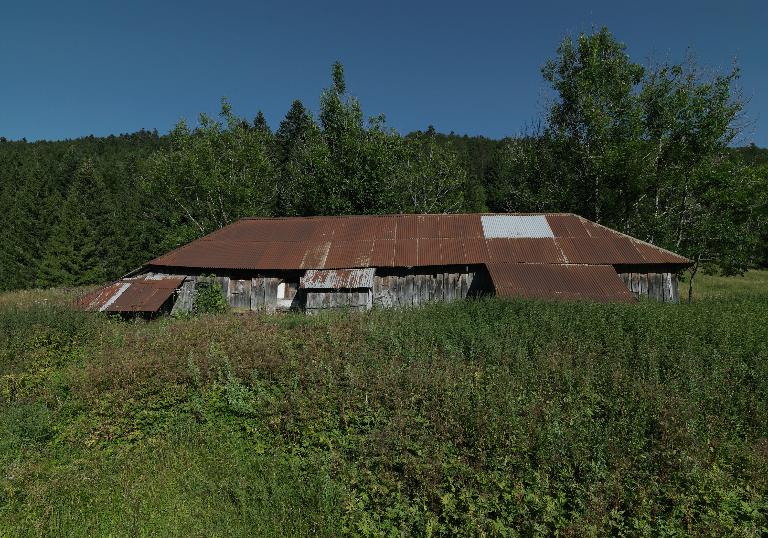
point(260, 123)
point(79, 250)
point(296, 124)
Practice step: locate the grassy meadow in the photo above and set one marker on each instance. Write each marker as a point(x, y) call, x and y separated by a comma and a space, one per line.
point(473, 418)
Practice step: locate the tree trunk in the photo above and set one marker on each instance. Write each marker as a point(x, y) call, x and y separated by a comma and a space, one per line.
point(693, 270)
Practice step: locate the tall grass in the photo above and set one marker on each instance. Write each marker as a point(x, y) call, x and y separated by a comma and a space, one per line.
point(489, 417)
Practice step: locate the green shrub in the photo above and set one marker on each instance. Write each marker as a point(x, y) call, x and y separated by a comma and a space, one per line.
point(209, 297)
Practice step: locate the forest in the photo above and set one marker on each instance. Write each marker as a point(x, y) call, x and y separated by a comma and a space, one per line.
point(649, 150)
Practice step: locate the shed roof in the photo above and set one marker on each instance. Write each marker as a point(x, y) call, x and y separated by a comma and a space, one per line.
point(412, 241)
point(598, 283)
point(141, 294)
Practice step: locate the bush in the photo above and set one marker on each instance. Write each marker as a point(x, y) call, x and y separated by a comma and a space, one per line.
point(209, 297)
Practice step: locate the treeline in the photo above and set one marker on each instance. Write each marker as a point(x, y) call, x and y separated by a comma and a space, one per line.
point(645, 150)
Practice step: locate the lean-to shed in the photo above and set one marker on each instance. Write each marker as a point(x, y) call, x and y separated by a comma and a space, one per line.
point(312, 263)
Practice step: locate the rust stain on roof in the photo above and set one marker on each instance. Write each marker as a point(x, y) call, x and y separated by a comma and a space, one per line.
point(598, 283)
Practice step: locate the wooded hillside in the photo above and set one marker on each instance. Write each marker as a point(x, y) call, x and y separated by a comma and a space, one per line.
point(643, 149)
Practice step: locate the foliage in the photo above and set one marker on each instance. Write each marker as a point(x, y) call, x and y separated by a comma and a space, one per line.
point(643, 150)
point(344, 166)
point(209, 297)
point(478, 417)
point(209, 177)
point(76, 253)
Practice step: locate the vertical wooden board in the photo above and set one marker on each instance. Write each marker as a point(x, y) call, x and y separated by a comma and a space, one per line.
point(669, 295)
point(408, 293)
point(224, 283)
point(447, 290)
point(270, 293)
point(635, 280)
point(625, 278)
point(660, 287)
point(419, 288)
point(439, 287)
point(463, 285)
point(432, 281)
point(675, 290)
point(424, 288)
point(239, 296)
point(653, 286)
point(455, 287)
point(396, 291)
point(184, 298)
point(257, 293)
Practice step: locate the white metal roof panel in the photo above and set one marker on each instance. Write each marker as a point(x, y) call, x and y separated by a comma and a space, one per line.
point(515, 226)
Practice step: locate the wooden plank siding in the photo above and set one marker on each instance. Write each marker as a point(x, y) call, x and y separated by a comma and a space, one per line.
point(412, 289)
point(660, 287)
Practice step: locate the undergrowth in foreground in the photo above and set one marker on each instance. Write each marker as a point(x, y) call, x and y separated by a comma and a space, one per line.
point(491, 417)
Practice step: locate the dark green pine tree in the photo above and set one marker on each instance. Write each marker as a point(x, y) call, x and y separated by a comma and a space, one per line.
point(25, 224)
point(260, 123)
point(293, 127)
point(81, 248)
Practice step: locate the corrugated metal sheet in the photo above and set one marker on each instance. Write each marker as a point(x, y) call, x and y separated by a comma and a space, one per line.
point(412, 240)
point(141, 294)
point(545, 281)
point(349, 254)
point(429, 251)
point(567, 226)
point(429, 226)
point(406, 253)
point(460, 226)
point(654, 254)
point(338, 279)
point(515, 226)
point(524, 250)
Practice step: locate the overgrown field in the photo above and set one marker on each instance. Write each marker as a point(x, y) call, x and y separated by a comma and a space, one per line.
point(482, 417)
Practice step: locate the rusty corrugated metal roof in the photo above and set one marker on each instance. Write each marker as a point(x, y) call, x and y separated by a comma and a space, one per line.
point(412, 240)
point(141, 294)
point(559, 281)
point(338, 279)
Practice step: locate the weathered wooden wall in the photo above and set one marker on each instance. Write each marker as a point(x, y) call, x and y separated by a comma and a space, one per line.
point(242, 294)
point(658, 286)
point(358, 299)
point(412, 288)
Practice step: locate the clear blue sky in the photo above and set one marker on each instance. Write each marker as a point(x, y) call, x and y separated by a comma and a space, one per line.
point(76, 68)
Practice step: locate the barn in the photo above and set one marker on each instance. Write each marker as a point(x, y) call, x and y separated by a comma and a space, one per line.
point(359, 262)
